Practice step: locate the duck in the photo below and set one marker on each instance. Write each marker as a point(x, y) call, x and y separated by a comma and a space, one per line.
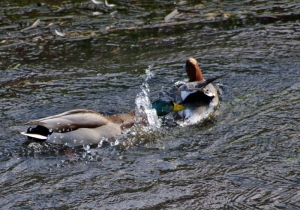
point(199, 96)
point(86, 127)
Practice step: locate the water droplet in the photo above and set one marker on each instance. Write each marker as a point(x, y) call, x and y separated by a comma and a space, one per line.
point(103, 140)
point(69, 124)
point(50, 130)
point(117, 142)
point(86, 147)
point(58, 123)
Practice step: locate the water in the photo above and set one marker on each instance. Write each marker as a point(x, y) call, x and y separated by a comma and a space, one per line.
point(144, 112)
point(146, 126)
point(247, 157)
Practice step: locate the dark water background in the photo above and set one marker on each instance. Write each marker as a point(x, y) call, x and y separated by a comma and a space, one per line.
point(247, 157)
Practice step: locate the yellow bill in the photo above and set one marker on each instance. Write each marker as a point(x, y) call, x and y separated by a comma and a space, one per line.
point(178, 107)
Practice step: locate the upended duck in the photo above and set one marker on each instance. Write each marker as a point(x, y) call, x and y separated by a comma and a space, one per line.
point(198, 96)
point(81, 126)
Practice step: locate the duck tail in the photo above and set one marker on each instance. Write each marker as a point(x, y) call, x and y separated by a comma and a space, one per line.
point(38, 133)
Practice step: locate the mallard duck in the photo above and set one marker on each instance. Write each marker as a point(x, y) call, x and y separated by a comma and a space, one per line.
point(78, 127)
point(81, 126)
point(198, 96)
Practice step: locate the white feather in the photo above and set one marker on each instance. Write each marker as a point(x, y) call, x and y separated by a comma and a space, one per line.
point(34, 135)
point(184, 94)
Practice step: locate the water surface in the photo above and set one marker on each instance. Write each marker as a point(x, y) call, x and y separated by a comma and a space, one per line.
point(247, 156)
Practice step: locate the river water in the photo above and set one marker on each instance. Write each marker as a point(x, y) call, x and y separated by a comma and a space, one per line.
point(85, 55)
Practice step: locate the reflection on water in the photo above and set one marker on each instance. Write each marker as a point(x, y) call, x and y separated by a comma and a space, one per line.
point(246, 157)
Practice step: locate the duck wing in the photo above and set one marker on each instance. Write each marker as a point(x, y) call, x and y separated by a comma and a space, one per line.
point(71, 120)
point(198, 107)
point(189, 88)
point(83, 136)
point(73, 128)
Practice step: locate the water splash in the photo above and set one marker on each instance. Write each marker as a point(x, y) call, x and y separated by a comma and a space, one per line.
point(146, 120)
point(103, 142)
point(144, 114)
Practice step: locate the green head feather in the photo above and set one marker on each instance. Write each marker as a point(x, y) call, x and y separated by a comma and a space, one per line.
point(165, 106)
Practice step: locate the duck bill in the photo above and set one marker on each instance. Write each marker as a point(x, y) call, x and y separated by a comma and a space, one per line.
point(178, 107)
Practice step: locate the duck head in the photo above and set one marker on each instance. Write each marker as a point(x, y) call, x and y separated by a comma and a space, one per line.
point(165, 106)
point(193, 70)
